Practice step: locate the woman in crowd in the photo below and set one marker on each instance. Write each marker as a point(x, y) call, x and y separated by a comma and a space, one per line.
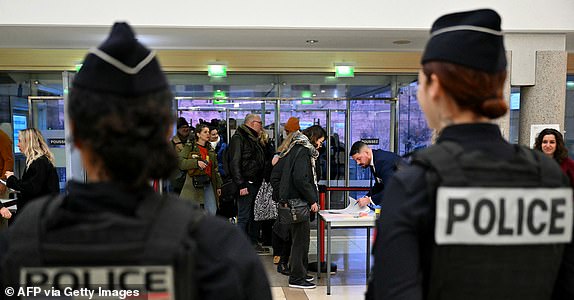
point(40, 177)
point(551, 143)
point(203, 182)
point(281, 236)
point(295, 178)
point(219, 146)
point(266, 225)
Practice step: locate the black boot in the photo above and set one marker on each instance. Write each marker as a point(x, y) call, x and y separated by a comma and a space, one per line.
point(283, 269)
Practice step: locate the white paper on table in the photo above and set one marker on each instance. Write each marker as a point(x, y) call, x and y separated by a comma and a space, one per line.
point(352, 209)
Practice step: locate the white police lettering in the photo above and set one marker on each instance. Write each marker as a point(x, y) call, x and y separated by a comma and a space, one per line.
point(112, 280)
point(503, 216)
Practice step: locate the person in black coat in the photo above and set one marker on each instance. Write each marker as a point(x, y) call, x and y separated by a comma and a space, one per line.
point(382, 165)
point(294, 177)
point(120, 116)
point(247, 164)
point(428, 247)
point(40, 177)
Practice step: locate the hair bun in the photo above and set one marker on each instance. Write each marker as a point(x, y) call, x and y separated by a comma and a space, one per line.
point(494, 108)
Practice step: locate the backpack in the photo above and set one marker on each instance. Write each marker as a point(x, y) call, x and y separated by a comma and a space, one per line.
point(154, 248)
point(495, 270)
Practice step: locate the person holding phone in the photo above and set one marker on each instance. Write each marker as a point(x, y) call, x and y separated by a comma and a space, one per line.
point(203, 182)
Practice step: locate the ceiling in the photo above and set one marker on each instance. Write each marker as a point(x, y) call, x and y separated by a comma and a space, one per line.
point(60, 37)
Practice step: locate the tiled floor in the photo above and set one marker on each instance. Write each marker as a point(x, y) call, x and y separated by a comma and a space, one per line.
point(349, 253)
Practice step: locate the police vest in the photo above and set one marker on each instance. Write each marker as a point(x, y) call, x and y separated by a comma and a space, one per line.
point(499, 227)
point(150, 254)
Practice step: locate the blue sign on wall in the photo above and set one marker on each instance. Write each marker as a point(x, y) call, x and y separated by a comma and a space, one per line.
point(20, 123)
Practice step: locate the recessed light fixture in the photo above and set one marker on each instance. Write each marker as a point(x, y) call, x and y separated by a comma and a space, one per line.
point(401, 42)
point(311, 42)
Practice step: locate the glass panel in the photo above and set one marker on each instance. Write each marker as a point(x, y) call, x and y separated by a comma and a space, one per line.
point(414, 132)
point(48, 117)
point(235, 86)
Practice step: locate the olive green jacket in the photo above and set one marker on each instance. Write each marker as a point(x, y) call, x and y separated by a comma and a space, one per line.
point(188, 158)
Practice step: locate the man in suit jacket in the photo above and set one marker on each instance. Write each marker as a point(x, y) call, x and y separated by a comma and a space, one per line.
point(382, 165)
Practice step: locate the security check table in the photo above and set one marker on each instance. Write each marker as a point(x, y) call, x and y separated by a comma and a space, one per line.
point(334, 220)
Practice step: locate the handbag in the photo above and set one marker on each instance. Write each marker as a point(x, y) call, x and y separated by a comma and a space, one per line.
point(199, 181)
point(296, 211)
point(229, 190)
point(265, 208)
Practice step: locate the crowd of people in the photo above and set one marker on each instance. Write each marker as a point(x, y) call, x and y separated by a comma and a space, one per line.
point(120, 117)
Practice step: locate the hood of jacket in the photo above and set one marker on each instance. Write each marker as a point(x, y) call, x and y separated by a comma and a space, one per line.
point(247, 132)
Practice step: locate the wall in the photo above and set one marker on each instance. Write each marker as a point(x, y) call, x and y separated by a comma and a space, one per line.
point(518, 15)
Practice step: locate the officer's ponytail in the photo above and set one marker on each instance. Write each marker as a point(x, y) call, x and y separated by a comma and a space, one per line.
point(493, 108)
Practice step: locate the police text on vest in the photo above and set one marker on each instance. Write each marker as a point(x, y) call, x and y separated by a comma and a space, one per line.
point(503, 216)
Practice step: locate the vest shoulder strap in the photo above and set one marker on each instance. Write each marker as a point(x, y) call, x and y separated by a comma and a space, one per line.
point(26, 236)
point(443, 158)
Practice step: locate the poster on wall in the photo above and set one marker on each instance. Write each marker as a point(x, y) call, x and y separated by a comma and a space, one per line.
point(535, 129)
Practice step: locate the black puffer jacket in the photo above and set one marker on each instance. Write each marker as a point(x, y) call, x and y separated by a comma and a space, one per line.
point(293, 178)
point(247, 159)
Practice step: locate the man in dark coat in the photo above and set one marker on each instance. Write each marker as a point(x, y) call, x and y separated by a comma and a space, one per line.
point(382, 165)
point(247, 162)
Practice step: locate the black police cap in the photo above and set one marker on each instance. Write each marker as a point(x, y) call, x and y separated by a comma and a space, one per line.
point(121, 65)
point(472, 38)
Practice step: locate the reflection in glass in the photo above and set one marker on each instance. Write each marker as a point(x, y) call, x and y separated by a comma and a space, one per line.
point(413, 130)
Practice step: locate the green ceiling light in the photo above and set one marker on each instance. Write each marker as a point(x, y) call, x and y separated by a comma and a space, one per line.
point(306, 95)
point(219, 95)
point(78, 67)
point(217, 70)
point(344, 70)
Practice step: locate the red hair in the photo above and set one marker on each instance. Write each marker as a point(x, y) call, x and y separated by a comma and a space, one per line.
point(478, 91)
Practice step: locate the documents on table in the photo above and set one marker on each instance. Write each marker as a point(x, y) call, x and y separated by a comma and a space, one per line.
point(352, 209)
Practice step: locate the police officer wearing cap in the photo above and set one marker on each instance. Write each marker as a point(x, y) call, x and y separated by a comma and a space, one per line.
point(114, 232)
point(473, 217)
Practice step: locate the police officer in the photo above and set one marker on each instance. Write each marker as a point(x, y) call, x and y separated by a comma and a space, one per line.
point(474, 217)
point(114, 232)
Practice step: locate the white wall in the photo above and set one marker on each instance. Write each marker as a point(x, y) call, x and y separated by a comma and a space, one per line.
point(518, 15)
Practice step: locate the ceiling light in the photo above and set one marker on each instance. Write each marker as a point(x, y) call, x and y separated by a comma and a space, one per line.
point(323, 91)
point(401, 42)
point(311, 42)
point(344, 70)
point(217, 70)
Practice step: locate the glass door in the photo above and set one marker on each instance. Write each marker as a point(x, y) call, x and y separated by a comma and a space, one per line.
point(47, 115)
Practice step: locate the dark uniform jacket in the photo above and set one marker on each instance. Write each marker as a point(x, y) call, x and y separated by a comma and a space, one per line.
point(227, 267)
point(385, 164)
point(40, 179)
point(246, 157)
point(405, 238)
